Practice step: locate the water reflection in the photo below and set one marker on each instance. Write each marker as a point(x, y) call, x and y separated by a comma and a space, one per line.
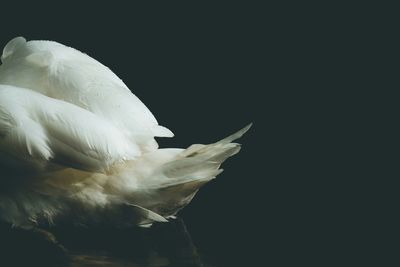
point(167, 244)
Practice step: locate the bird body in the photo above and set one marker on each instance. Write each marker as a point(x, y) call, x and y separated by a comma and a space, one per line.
point(77, 145)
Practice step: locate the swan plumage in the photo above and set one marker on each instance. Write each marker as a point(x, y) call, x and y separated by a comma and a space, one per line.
point(76, 144)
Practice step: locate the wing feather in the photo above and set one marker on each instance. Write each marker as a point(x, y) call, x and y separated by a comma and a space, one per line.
point(37, 129)
point(65, 73)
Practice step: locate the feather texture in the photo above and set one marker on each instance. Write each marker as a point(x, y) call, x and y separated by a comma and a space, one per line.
point(65, 73)
point(38, 129)
point(77, 145)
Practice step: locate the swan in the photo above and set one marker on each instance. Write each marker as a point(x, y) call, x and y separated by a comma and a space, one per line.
point(76, 145)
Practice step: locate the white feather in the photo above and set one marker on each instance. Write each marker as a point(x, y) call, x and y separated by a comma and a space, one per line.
point(65, 73)
point(37, 129)
point(76, 144)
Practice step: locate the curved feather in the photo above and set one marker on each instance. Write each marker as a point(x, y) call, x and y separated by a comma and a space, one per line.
point(36, 129)
point(67, 74)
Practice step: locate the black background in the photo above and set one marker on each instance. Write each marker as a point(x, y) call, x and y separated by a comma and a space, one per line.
point(206, 70)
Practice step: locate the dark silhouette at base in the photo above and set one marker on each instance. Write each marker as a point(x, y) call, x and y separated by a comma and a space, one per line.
point(164, 244)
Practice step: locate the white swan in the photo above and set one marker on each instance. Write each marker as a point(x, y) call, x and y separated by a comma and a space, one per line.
point(77, 145)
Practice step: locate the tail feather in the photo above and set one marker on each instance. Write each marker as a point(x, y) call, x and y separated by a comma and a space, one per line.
point(178, 180)
point(236, 135)
point(197, 149)
point(145, 217)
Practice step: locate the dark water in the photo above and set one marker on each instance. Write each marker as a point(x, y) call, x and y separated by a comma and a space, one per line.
point(168, 244)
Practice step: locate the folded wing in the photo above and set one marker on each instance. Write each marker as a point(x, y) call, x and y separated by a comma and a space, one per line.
point(37, 131)
point(64, 73)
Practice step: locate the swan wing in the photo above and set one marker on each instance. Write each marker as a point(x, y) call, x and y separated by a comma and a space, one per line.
point(65, 73)
point(37, 131)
